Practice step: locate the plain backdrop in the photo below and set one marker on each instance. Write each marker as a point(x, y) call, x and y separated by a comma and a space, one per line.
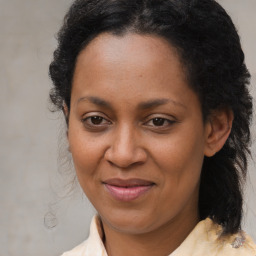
point(32, 186)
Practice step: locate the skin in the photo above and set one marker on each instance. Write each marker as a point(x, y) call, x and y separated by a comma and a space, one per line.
point(120, 86)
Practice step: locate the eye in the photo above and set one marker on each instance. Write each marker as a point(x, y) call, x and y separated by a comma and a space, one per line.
point(95, 122)
point(160, 122)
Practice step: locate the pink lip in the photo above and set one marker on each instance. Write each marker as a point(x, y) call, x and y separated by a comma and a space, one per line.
point(127, 190)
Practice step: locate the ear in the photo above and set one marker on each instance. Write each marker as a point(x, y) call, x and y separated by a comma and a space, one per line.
point(218, 128)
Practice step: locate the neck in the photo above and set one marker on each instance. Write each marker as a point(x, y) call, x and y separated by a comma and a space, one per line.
point(162, 241)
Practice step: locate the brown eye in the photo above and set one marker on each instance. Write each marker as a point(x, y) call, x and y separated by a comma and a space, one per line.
point(96, 120)
point(158, 121)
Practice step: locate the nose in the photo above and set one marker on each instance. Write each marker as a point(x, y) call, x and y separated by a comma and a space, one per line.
point(125, 149)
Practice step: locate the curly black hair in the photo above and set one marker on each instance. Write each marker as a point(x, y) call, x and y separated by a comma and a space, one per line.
point(210, 50)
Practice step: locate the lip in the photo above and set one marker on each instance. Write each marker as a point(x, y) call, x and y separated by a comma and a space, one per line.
point(127, 190)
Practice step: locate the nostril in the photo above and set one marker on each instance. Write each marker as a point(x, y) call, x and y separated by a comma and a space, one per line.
point(124, 159)
point(125, 149)
point(125, 163)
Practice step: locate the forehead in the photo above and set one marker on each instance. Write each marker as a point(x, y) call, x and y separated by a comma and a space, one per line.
point(114, 46)
point(129, 67)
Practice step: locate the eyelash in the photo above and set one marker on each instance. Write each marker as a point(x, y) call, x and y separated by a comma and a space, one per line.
point(162, 120)
point(165, 123)
point(90, 123)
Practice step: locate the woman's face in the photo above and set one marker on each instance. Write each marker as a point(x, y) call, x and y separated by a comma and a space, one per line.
point(136, 133)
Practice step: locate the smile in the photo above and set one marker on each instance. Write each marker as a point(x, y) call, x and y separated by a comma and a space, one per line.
point(127, 190)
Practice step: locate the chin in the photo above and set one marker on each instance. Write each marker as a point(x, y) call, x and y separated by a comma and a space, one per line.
point(130, 223)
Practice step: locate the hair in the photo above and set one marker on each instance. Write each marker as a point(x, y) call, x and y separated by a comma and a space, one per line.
point(209, 49)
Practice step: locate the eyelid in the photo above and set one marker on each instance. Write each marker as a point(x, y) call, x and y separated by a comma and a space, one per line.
point(89, 115)
point(162, 116)
point(94, 113)
point(170, 119)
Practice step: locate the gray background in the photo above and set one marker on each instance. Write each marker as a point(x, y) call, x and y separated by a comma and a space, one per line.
point(30, 183)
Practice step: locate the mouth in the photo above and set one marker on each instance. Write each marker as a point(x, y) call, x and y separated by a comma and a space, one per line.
point(127, 190)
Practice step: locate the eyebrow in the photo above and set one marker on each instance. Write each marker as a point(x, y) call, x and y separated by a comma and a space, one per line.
point(96, 101)
point(143, 105)
point(158, 102)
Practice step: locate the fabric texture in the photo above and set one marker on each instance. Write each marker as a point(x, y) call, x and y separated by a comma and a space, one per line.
point(204, 240)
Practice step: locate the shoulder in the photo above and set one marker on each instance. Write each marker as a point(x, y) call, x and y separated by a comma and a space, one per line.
point(93, 246)
point(205, 240)
point(78, 250)
point(238, 244)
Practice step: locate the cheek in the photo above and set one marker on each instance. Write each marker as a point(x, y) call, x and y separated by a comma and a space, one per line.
point(180, 158)
point(179, 152)
point(180, 162)
point(86, 155)
point(86, 151)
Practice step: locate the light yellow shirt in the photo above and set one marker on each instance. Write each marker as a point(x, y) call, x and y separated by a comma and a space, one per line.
point(202, 241)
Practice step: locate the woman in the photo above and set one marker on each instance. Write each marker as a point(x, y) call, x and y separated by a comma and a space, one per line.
point(158, 111)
